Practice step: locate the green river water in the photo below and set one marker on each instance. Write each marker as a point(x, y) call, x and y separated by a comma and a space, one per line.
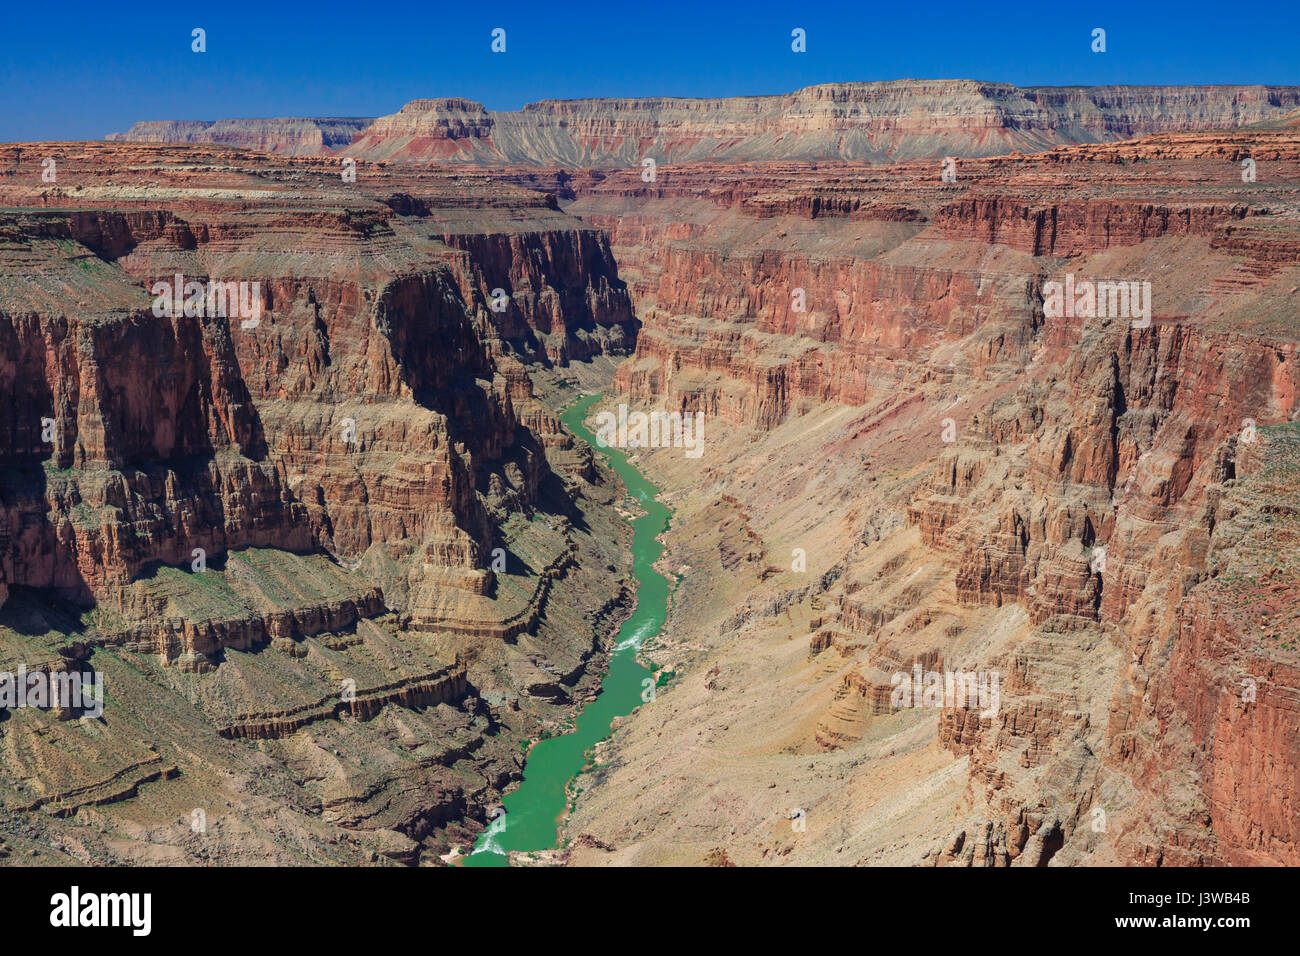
point(531, 820)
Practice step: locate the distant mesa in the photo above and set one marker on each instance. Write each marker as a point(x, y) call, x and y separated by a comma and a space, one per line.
point(291, 135)
point(888, 121)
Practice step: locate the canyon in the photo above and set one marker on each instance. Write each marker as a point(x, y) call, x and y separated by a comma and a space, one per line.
point(340, 569)
point(293, 136)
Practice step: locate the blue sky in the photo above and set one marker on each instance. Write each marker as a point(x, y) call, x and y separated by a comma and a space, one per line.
point(77, 70)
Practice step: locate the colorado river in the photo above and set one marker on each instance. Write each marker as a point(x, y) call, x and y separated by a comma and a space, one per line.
point(532, 812)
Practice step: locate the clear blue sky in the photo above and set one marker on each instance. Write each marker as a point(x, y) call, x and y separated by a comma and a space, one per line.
point(75, 70)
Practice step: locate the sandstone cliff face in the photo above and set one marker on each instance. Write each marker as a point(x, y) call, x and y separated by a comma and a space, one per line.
point(1216, 685)
point(877, 122)
point(566, 299)
point(1072, 229)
